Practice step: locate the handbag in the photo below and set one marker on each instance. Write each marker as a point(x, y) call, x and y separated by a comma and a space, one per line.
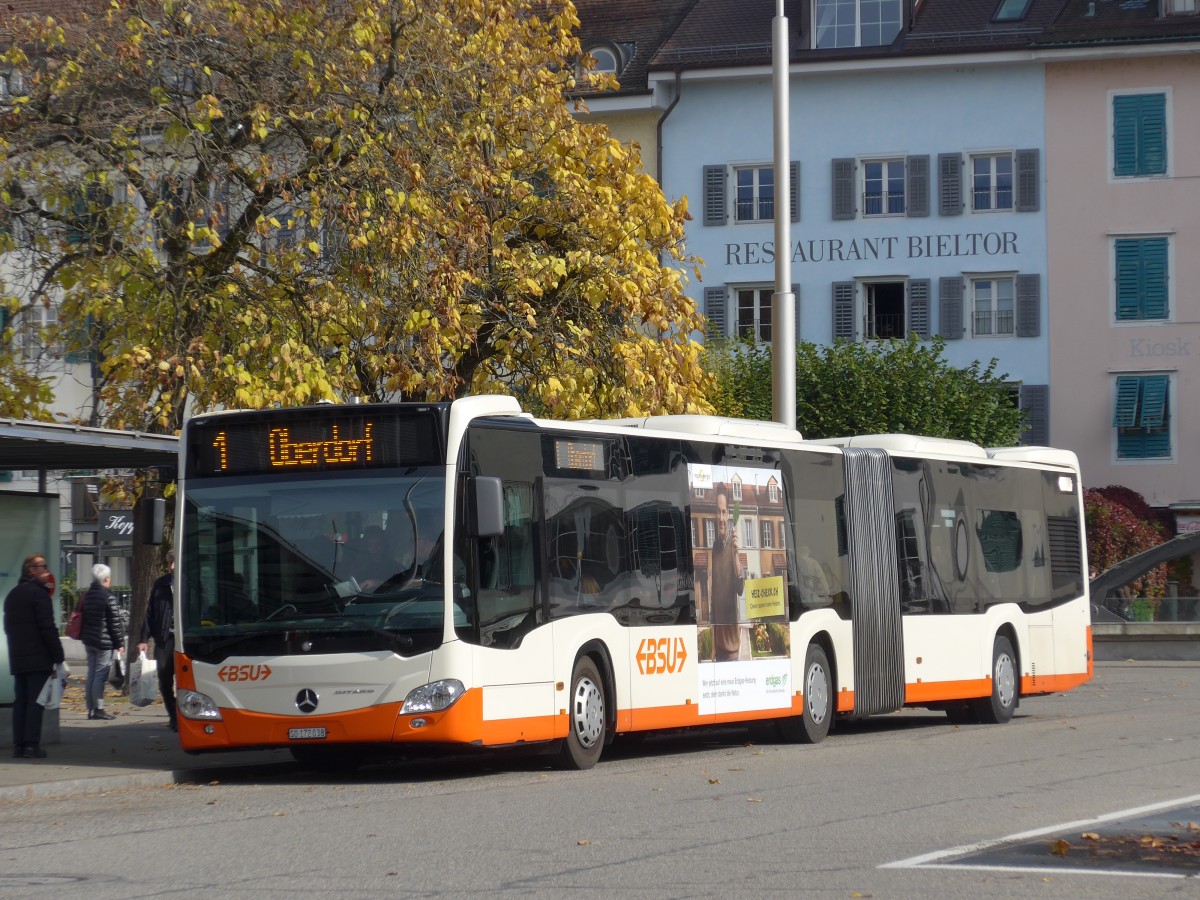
point(143, 681)
point(74, 628)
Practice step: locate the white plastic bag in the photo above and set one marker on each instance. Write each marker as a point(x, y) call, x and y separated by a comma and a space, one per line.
point(143, 681)
point(52, 691)
point(116, 674)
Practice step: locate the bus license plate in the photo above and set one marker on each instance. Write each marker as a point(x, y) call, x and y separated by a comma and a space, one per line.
point(306, 734)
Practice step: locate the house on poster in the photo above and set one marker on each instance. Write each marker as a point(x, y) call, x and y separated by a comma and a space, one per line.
point(740, 562)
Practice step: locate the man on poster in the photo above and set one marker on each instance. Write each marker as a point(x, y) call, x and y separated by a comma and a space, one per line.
point(725, 584)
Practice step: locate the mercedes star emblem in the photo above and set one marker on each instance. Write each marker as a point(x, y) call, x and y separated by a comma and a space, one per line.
point(306, 700)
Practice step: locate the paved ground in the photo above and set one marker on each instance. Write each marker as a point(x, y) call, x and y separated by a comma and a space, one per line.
point(136, 749)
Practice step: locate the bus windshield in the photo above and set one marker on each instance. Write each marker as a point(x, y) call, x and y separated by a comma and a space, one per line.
point(303, 564)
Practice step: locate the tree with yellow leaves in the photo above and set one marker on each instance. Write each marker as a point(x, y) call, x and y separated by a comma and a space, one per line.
point(241, 203)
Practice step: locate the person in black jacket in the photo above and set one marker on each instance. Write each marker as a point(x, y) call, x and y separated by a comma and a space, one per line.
point(160, 625)
point(33, 651)
point(101, 636)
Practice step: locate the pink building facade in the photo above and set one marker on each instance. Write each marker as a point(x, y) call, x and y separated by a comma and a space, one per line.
point(1123, 191)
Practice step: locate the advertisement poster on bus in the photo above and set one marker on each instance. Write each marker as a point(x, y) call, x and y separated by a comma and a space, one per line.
point(741, 577)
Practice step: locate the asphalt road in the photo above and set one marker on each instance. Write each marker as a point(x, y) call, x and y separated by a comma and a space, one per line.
point(900, 806)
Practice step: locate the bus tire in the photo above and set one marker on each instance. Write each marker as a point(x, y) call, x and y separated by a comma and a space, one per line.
point(812, 725)
point(587, 717)
point(1000, 706)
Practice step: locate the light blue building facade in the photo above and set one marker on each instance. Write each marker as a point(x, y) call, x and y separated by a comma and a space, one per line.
point(916, 206)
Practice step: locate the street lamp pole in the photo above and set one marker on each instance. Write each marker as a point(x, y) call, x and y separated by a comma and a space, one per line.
point(783, 301)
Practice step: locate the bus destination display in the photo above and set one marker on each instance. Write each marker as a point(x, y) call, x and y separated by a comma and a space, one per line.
point(349, 442)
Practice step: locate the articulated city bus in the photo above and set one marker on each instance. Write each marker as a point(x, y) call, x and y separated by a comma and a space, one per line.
point(466, 574)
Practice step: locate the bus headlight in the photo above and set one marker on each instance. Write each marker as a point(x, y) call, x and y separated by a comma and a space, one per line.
point(433, 697)
point(194, 705)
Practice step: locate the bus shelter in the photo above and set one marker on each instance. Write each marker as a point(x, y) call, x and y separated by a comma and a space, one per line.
point(29, 520)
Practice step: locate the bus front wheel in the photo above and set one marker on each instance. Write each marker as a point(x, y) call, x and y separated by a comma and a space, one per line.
point(586, 717)
point(1000, 706)
point(812, 725)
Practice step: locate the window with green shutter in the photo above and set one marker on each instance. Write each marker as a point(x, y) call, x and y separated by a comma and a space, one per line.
point(1139, 135)
point(1141, 278)
point(1142, 416)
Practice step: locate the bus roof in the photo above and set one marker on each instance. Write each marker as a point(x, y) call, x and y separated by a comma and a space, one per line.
point(913, 444)
point(916, 445)
point(769, 433)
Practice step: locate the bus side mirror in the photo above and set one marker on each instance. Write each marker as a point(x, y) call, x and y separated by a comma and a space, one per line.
point(485, 502)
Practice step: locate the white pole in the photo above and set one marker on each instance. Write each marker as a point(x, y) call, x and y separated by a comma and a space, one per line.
point(783, 301)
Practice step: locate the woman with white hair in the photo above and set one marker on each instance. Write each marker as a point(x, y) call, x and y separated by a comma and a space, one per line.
point(101, 635)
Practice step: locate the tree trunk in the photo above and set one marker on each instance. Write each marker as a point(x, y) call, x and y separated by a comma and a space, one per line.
point(147, 566)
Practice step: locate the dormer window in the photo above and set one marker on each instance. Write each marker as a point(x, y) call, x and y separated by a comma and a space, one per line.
point(1011, 10)
point(611, 57)
point(856, 23)
point(607, 62)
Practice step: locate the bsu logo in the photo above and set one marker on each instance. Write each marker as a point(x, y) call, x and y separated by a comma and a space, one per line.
point(661, 656)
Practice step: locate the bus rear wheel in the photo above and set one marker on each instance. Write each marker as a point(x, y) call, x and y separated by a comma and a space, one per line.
point(1000, 706)
point(812, 725)
point(586, 717)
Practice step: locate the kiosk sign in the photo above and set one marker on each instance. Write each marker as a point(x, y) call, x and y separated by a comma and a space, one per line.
point(116, 525)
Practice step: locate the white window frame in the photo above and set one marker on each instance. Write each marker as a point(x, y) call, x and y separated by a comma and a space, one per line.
point(748, 532)
point(34, 322)
point(755, 203)
point(773, 491)
point(762, 298)
point(994, 279)
point(710, 532)
point(737, 490)
point(598, 53)
point(886, 178)
point(993, 190)
point(819, 28)
point(768, 533)
point(1179, 7)
point(695, 539)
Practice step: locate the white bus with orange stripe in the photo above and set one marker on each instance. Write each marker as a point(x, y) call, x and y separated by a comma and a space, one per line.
point(466, 574)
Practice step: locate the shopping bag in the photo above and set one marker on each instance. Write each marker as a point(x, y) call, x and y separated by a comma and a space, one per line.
point(75, 625)
point(143, 681)
point(116, 672)
point(52, 691)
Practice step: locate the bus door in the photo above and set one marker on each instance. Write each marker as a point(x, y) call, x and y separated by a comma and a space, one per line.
point(514, 655)
point(875, 583)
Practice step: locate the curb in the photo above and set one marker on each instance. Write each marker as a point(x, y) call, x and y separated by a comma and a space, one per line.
point(104, 784)
point(72, 787)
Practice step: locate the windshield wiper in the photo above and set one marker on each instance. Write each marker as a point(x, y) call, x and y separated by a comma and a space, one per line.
point(399, 642)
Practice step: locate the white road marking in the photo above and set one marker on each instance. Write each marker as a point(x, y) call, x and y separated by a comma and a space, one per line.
point(933, 860)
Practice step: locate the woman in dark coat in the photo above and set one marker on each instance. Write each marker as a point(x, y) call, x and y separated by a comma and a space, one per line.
point(33, 651)
point(101, 635)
